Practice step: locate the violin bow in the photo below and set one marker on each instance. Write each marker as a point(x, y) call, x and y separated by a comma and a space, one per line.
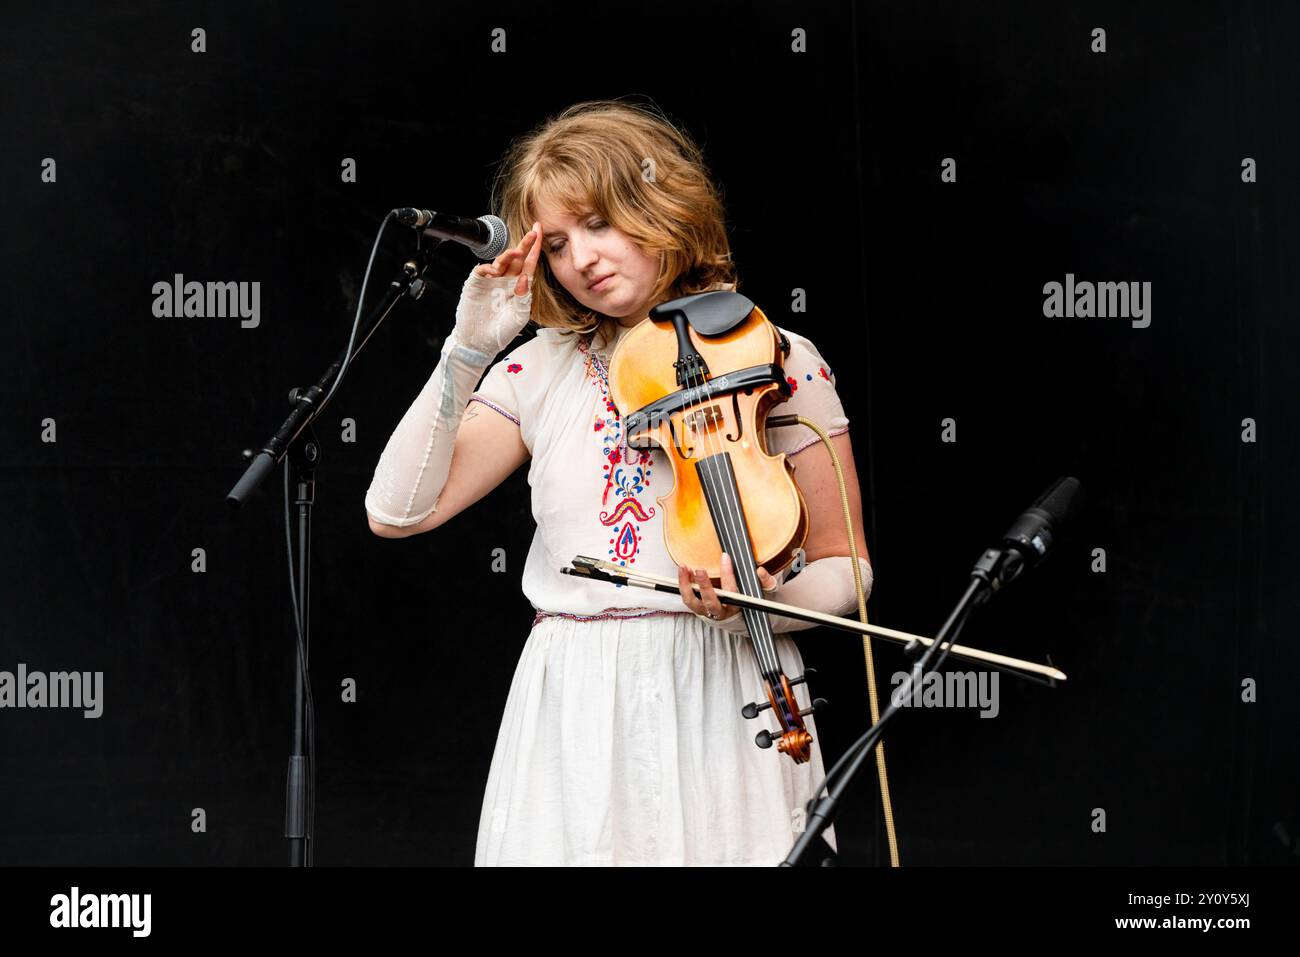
point(599, 570)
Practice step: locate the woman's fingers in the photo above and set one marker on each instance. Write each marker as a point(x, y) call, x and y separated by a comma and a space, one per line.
point(701, 606)
point(505, 261)
point(708, 601)
point(727, 577)
point(728, 574)
point(520, 261)
point(530, 261)
point(765, 579)
point(688, 595)
point(712, 603)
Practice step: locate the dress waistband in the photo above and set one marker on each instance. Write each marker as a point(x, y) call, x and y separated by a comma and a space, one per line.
point(608, 613)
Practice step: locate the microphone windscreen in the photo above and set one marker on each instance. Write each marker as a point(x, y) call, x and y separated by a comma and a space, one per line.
point(1062, 501)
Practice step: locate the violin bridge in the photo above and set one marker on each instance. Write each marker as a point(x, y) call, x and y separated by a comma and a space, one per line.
point(704, 421)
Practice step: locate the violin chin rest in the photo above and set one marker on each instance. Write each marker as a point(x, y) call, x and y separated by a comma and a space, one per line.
point(709, 313)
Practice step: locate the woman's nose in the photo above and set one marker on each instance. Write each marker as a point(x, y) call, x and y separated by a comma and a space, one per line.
point(584, 256)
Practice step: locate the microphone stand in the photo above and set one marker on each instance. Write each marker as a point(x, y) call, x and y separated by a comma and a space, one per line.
point(296, 441)
point(996, 567)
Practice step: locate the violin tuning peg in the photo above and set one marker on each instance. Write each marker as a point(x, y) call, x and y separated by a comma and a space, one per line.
point(763, 739)
point(819, 705)
point(752, 710)
point(807, 673)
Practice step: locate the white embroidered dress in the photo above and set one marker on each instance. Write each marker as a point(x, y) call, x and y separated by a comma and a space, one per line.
point(622, 741)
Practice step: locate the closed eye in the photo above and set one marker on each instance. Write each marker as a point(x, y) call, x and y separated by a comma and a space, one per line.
point(557, 246)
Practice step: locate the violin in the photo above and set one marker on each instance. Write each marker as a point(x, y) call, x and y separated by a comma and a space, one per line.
point(698, 379)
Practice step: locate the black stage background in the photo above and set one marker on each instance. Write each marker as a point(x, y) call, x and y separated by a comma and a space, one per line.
point(926, 298)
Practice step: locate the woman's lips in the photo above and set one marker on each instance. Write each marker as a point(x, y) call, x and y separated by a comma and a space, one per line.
point(602, 285)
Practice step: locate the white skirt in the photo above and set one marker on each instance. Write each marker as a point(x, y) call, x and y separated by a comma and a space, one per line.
point(622, 743)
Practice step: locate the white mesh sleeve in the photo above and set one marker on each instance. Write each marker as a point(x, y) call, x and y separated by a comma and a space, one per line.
point(413, 467)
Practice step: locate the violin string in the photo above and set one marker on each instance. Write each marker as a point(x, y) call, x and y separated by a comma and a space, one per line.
point(764, 641)
point(718, 495)
point(731, 518)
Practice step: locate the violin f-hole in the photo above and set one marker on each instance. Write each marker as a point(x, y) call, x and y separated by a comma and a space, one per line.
point(679, 444)
point(736, 418)
point(709, 418)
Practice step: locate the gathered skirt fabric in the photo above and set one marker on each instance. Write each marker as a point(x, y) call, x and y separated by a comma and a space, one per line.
point(623, 743)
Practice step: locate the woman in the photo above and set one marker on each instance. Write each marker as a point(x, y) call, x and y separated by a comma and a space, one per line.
point(622, 740)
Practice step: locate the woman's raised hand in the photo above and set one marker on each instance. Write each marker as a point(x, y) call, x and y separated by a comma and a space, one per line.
point(520, 261)
point(489, 316)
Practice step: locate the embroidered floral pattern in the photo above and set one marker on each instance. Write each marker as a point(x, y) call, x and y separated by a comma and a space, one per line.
point(808, 376)
point(514, 367)
point(626, 471)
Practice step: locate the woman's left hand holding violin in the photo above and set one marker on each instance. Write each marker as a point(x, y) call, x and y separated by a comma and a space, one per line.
point(708, 603)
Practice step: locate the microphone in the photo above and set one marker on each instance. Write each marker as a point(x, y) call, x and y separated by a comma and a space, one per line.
point(1033, 532)
point(1029, 538)
point(486, 237)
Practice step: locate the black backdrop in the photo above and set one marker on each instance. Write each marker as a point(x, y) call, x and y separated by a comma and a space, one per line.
point(926, 297)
